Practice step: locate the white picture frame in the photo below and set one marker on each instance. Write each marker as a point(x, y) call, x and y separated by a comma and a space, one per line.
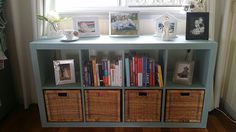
point(124, 24)
point(86, 26)
point(64, 71)
point(172, 26)
point(183, 73)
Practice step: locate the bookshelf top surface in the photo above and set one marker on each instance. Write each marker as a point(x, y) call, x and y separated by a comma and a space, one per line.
point(141, 41)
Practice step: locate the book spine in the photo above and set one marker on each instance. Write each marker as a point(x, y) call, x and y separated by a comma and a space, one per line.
point(91, 81)
point(109, 72)
point(136, 69)
point(100, 75)
point(144, 71)
point(127, 72)
point(131, 73)
point(148, 73)
point(120, 81)
point(98, 79)
point(94, 72)
point(112, 74)
point(105, 73)
point(140, 74)
point(160, 76)
point(116, 75)
point(151, 72)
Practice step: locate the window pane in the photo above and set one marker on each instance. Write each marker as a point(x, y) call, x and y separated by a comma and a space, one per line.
point(61, 5)
point(155, 2)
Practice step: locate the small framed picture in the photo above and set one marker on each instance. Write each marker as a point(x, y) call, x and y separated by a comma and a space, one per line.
point(123, 24)
point(197, 26)
point(64, 71)
point(168, 19)
point(86, 26)
point(183, 73)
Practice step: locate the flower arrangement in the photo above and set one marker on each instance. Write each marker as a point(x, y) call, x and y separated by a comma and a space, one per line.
point(53, 20)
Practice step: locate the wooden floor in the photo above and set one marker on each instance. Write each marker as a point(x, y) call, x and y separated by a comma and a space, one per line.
point(28, 121)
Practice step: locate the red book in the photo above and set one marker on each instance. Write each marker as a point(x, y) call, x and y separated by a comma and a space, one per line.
point(151, 72)
point(136, 69)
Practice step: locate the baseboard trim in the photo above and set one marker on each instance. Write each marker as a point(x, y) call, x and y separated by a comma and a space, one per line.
point(228, 109)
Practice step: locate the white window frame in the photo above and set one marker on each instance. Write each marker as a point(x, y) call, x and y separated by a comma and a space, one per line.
point(155, 10)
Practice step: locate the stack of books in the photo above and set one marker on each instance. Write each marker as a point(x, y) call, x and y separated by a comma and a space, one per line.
point(102, 73)
point(142, 72)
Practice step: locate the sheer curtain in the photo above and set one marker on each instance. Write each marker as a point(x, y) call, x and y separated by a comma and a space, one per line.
point(22, 29)
point(224, 51)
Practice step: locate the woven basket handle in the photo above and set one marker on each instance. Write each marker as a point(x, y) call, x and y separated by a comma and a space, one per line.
point(184, 94)
point(62, 94)
point(143, 94)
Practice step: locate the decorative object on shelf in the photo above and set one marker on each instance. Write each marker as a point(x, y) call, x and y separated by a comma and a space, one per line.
point(197, 26)
point(64, 71)
point(70, 35)
point(198, 5)
point(52, 28)
point(86, 26)
point(195, 5)
point(166, 27)
point(183, 73)
point(124, 24)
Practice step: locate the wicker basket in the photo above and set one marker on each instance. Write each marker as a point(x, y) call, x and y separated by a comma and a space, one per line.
point(142, 105)
point(102, 105)
point(63, 105)
point(184, 105)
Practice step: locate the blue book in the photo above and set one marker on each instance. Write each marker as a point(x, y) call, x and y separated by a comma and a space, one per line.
point(127, 72)
point(144, 71)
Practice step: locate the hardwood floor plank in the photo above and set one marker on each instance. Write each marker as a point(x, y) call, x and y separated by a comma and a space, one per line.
point(29, 121)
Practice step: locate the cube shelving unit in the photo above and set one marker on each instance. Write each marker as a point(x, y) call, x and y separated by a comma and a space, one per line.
point(193, 98)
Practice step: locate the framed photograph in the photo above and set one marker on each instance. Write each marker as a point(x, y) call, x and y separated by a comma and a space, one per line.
point(183, 73)
point(123, 24)
point(197, 26)
point(64, 71)
point(171, 21)
point(86, 26)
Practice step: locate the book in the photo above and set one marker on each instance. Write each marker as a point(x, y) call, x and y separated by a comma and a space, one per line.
point(105, 72)
point(100, 74)
point(160, 78)
point(120, 79)
point(131, 73)
point(136, 70)
point(127, 72)
point(140, 72)
point(98, 79)
point(93, 59)
point(144, 71)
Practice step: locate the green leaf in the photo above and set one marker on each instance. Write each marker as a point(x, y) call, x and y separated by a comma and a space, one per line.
point(43, 18)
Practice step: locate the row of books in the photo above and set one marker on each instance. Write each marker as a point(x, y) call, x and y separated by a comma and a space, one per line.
point(142, 72)
point(102, 73)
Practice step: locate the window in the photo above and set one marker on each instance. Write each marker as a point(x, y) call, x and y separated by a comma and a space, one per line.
point(75, 5)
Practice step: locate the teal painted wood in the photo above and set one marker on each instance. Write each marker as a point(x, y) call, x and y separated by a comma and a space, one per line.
point(205, 53)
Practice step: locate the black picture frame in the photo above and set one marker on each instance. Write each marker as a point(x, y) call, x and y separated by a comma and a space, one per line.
point(197, 26)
